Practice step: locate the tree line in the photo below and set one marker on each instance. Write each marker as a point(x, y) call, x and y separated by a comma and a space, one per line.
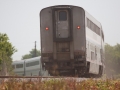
point(112, 59)
point(6, 52)
point(32, 53)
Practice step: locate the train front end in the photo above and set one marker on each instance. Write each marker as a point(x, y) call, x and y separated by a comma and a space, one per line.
point(62, 31)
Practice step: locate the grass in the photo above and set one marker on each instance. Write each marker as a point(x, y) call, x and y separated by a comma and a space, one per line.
point(59, 84)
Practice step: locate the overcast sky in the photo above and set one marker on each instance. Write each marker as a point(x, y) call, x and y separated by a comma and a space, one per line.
point(19, 19)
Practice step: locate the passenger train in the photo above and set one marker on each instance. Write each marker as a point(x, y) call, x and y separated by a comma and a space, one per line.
point(29, 67)
point(72, 42)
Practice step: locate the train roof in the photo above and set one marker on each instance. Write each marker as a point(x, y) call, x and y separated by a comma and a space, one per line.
point(18, 62)
point(26, 60)
point(89, 16)
point(32, 59)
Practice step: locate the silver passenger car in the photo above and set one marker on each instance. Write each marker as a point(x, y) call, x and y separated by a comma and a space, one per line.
point(29, 67)
point(18, 67)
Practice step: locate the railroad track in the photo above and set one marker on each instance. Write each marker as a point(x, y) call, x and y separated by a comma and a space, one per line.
point(37, 78)
point(40, 78)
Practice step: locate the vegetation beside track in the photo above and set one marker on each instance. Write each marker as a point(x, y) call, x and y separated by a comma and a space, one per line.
point(59, 84)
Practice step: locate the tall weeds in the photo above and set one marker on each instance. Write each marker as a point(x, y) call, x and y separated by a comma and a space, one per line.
point(59, 84)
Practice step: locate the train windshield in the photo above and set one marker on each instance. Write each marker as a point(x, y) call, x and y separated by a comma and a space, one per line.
point(62, 15)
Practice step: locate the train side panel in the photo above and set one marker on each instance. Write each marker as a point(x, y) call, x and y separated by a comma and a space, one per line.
point(32, 67)
point(79, 34)
point(93, 44)
point(46, 31)
point(18, 67)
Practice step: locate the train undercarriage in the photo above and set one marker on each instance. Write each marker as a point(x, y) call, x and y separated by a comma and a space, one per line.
point(70, 68)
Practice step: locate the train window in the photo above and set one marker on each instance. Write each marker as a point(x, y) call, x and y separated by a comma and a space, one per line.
point(92, 55)
point(19, 66)
point(62, 16)
point(96, 53)
point(32, 63)
point(92, 26)
point(102, 36)
point(97, 30)
point(88, 23)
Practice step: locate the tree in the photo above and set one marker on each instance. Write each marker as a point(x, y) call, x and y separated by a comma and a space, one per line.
point(112, 59)
point(109, 54)
point(6, 52)
point(32, 53)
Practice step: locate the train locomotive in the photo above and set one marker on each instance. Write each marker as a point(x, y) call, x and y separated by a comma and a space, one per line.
point(72, 42)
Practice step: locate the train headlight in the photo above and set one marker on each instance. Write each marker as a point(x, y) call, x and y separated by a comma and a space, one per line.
point(46, 28)
point(78, 27)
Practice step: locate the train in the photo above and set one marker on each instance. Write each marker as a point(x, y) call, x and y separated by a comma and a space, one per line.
point(72, 42)
point(29, 67)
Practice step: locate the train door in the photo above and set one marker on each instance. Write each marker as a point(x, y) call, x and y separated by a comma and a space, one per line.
point(62, 28)
point(62, 23)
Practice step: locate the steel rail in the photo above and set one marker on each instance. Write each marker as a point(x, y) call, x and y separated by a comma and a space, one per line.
point(35, 77)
